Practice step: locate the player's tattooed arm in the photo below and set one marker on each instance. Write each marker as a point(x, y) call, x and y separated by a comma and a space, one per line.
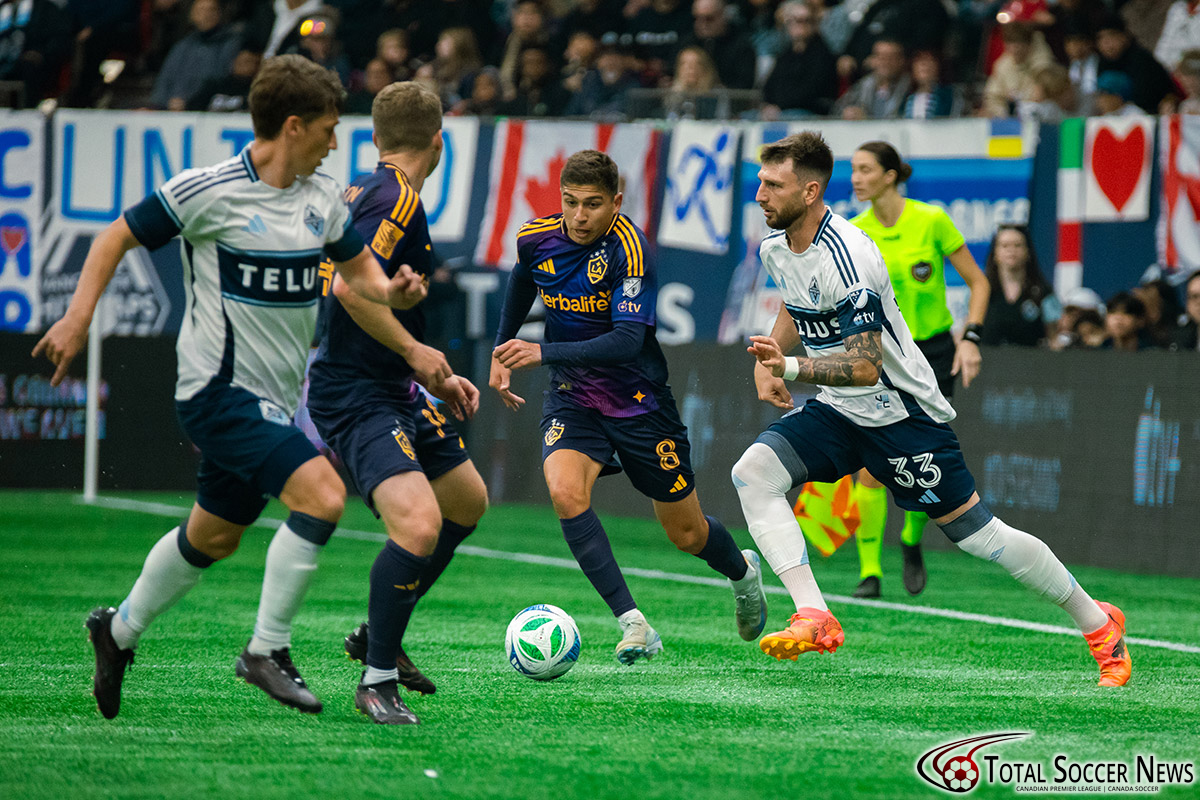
point(860, 365)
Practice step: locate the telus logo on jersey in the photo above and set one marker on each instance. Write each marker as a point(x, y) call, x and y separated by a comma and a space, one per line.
point(817, 329)
point(277, 278)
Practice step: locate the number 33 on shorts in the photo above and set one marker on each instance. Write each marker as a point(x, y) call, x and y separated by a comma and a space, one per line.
point(927, 474)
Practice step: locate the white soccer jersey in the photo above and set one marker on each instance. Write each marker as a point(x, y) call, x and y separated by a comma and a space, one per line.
point(250, 258)
point(837, 287)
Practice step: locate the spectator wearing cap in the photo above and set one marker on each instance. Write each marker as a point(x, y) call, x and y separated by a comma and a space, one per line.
point(1125, 322)
point(879, 94)
point(804, 77)
point(1114, 93)
point(1152, 85)
point(1075, 304)
point(1180, 32)
point(1011, 81)
point(1188, 335)
point(204, 54)
point(725, 42)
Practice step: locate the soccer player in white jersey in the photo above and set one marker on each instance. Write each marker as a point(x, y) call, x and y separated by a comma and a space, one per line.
point(879, 407)
point(254, 229)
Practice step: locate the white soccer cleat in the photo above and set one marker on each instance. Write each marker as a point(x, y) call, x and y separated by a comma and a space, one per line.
point(638, 640)
point(750, 601)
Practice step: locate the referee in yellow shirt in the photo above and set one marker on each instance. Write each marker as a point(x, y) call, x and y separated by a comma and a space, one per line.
point(916, 239)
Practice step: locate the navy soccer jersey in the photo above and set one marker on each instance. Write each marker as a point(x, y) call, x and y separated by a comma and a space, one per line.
point(587, 289)
point(387, 212)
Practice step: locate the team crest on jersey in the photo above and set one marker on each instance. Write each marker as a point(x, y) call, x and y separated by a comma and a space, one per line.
point(314, 221)
point(814, 292)
point(597, 264)
point(554, 432)
point(632, 287)
point(273, 413)
point(921, 271)
point(402, 439)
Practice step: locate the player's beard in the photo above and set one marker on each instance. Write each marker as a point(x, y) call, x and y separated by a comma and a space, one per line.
point(786, 216)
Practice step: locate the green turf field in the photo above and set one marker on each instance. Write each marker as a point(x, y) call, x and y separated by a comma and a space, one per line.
point(711, 717)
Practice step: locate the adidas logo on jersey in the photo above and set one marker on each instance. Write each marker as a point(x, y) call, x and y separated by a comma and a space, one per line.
point(255, 226)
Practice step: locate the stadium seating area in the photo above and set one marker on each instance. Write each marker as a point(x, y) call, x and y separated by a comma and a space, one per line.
point(613, 59)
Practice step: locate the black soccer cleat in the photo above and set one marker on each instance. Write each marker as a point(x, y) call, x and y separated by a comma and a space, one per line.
point(111, 661)
point(411, 678)
point(869, 587)
point(381, 703)
point(914, 568)
point(277, 676)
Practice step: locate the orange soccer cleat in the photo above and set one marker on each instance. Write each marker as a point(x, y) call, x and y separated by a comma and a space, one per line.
point(810, 630)
point(1107, 646)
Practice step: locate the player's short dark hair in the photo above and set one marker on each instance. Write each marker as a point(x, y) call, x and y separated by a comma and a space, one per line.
point(889, 159)
point(406, 115)
point(288, 86)
point(591, 168)
point(807, 150)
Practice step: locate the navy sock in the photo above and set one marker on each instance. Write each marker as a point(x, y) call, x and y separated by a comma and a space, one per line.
point(395, 578)
point(721, 552)
point(589, 544)
point(451, 536)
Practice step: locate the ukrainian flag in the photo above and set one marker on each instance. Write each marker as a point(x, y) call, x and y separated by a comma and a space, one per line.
point(1004, 139)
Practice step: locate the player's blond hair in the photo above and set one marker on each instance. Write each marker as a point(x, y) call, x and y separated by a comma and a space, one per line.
point(406, 116)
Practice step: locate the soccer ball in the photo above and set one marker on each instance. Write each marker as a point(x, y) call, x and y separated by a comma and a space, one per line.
point(542, 642)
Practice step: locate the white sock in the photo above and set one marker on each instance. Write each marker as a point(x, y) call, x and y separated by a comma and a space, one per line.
point(629, 616)
point(374, 676)
point(1030, 561)
point(291, 562)
point(166, 577)
point(802, 586)
point(762, 482)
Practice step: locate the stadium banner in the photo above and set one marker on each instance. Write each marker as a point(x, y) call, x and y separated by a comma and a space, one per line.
point(22, 165)
point(527, 159)
point(1106, 477)
point(697, 211)
point(1179, 211)
point(978, 170)
point(42, 426)
point(1117, 161)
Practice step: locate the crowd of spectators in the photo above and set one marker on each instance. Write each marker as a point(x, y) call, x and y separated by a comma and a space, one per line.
point(853, 59)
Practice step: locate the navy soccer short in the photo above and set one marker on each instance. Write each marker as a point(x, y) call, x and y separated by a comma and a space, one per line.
point(918, 459)
point(939, 352)
point(248, 446)
point(377, 436)
point(652, 448)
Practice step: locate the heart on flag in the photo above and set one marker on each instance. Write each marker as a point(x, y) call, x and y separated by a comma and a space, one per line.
point(1118, 169)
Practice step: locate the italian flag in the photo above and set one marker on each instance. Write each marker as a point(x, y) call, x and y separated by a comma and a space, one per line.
point(1068, 270)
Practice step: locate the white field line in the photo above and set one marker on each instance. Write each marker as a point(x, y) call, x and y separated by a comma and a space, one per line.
point(164, 510)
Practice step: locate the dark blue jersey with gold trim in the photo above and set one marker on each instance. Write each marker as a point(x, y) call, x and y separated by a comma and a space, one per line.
point(587, 291)
point(388, 214)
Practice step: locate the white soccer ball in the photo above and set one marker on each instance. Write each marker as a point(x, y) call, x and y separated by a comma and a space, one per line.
point(542, 642)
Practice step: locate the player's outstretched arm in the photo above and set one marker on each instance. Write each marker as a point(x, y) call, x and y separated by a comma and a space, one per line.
point(66, 337)
point(860, 365)
point(364, 275)
point(772, 389)
point(428, 363)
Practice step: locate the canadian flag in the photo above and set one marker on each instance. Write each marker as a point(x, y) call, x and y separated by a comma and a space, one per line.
point(527, 159)
point(1179, 220)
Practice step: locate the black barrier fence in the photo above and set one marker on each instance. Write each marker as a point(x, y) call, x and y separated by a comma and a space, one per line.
point(1098, 453)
